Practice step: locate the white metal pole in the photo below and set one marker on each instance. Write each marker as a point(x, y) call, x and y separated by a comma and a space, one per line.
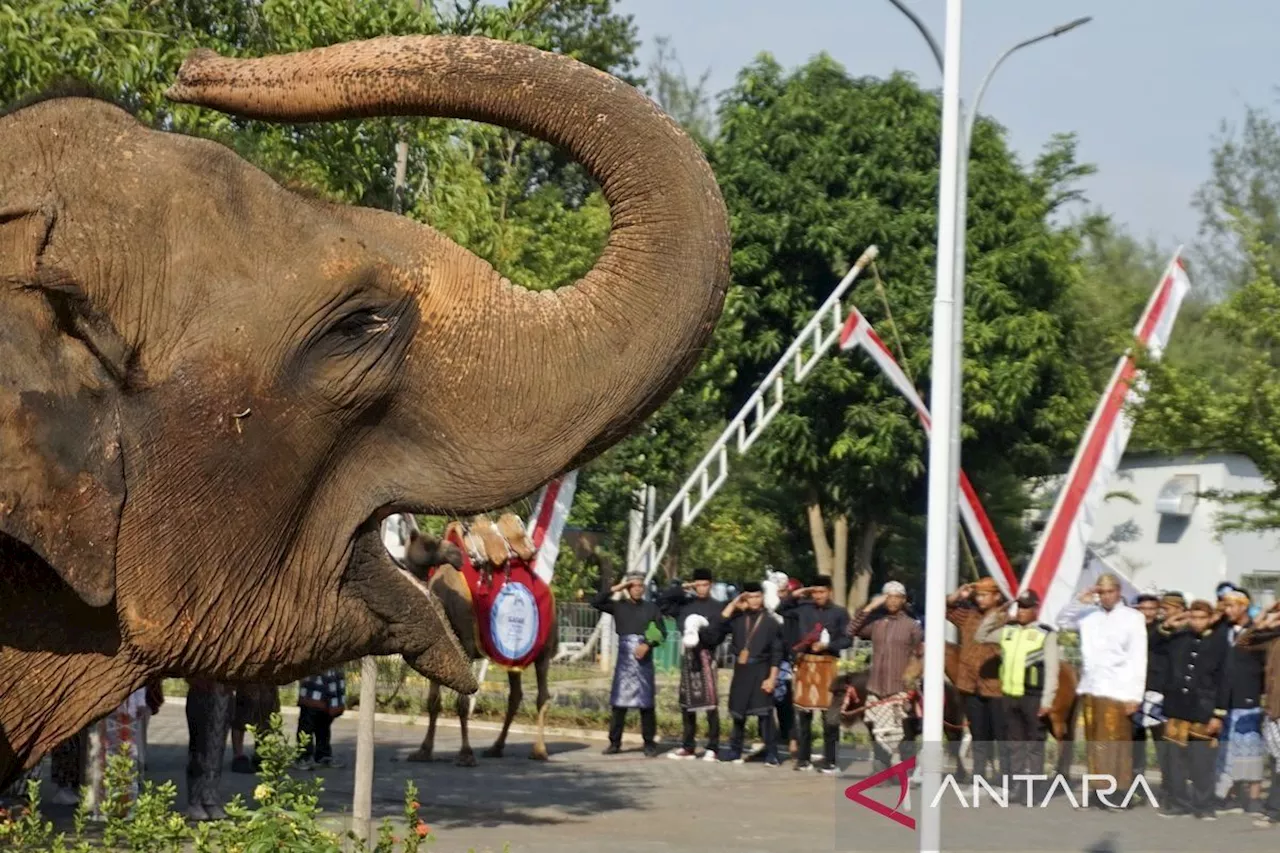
point(362, 804)
point(942, 508)
point(968, 120)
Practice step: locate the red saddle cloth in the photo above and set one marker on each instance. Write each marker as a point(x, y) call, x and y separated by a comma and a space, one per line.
point(514, 610)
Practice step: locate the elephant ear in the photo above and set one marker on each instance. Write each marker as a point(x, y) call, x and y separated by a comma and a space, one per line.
point(62, 369)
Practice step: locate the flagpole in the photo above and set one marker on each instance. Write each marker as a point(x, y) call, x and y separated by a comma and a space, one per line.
point(944, 396)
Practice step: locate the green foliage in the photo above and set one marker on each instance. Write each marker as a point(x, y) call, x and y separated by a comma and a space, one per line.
point(1237, 406)
point(286, 815)
point(815, 166)
point(687, 102)
point(1245, 181)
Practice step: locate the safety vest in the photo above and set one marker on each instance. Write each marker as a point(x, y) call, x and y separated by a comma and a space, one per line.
point(1022, 659)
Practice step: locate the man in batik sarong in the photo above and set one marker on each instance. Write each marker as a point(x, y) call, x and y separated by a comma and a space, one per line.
point(895, 641)
point(639, 624)
point(1240, 760)
point(1261, 640)
point(693, 608)
point(1113, 680)
point(823, 627)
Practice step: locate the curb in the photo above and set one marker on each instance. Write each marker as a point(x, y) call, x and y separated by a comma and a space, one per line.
point(451, 722)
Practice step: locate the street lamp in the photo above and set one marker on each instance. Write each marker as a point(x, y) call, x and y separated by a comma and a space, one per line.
point(962, 216)
point(941, 569)
point(968, 122)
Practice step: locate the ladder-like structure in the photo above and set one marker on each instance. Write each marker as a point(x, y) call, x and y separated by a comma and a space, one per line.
point(810, 345)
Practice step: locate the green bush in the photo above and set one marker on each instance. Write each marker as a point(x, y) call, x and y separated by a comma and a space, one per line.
point(286, 815)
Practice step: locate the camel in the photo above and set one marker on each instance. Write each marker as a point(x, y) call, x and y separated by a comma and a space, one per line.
point(439, 563)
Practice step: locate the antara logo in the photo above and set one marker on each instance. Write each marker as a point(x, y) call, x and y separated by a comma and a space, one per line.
point(1099, 785)
point(902, 772)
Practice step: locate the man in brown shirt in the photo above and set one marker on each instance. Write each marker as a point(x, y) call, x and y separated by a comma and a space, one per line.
point(977, 612)
point(895, 640)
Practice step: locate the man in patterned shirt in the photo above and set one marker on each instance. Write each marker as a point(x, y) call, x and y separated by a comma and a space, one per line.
point(321, 699)
point(895, 641)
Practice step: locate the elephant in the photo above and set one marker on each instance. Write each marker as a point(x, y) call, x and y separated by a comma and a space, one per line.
point(214, 389)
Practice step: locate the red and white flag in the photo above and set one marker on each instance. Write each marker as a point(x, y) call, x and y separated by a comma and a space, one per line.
point(859, 333)
point(547, 522)
point(1060, 554)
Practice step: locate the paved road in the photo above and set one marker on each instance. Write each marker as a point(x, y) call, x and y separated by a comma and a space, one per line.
point(581, 802)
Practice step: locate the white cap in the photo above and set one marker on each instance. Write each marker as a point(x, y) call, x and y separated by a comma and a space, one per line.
point(894, 588)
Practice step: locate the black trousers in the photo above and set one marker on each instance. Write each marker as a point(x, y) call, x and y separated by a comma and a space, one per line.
point(319, 725)
point(208, 722)
point(648, 726)
point(987, 727)
point(804, 736)
point(768, 734)
point(691, 729)
point(786, 714)
point(1272, 805)
point(1025, 733)
point(1156, 734)
point(1191, 769)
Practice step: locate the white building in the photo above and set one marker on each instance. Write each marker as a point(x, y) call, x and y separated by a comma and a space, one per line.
point(1154, 529)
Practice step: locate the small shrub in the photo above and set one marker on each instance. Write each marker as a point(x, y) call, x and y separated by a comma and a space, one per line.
point(286, 815)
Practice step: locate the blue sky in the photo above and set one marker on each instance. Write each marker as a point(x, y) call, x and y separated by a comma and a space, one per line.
point(1145, 85)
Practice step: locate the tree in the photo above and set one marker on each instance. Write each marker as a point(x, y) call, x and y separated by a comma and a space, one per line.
point(1245, 181)
point(1237, 408)
point(816, 165)
point(688, 102)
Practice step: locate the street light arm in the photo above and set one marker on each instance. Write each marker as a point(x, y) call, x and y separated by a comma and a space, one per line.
point(982, 87)
point(924, 31)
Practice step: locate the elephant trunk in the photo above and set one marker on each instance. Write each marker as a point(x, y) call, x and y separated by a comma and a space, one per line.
point(551, 378)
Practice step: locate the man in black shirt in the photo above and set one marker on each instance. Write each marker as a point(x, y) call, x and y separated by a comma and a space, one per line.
point(1157, 671)
point(822, 627)
point(1196, 653)
point(640, 627)
point(757, 651)
point(693, 608)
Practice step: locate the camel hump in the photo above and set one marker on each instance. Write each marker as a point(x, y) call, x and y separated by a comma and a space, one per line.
point(511, 528)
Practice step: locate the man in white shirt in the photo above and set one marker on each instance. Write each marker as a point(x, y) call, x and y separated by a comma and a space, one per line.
point(1113, 651)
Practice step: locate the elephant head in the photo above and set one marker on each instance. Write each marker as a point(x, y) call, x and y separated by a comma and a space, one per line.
point(213, 390)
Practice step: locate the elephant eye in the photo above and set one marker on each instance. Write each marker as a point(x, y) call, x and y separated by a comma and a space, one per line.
point(357, 326)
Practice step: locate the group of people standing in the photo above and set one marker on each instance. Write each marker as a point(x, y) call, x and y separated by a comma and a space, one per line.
point(784, 661)
point(214, 710)
point(1198, 681)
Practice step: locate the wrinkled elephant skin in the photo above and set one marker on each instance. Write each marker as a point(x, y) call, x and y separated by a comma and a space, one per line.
point(212, 390)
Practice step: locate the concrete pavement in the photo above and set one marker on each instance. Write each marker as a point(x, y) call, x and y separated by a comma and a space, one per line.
point(581, 801)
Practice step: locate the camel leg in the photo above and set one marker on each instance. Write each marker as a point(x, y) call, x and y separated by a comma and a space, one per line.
point(423, 753)
point(466, 758)
point(541, 669)
point(515, 695)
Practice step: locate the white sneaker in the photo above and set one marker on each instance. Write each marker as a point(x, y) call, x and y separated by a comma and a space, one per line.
point(710, 755)
point(680, 753)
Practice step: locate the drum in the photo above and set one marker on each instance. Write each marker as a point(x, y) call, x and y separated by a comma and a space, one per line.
point(812, 686)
